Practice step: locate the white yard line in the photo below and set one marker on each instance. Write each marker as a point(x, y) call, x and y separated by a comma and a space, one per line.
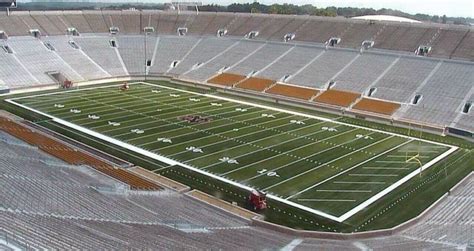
point(140, 126)
point(299, 158)
point(373, 175)
point(421, 151)
point(238, 141)
point(326, 163)
point(214, 143)
point(116, 112)
point(390, 161)
point(261, 106)
point(74, 90)
point(103, 109)
point(131, 120)
point(343, 191)
point(97, 90)
point(108, 113)
point(305, 115)
point(385, 168)
point(58, 97)
point(147, 96)
point(291, 203)
point(349, 169)
point(309, 156)
point(326, 200)
point(360, 182)
point(279, 153)
point(395, 185)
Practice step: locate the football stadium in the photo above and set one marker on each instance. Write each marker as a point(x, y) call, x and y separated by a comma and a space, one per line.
point(184, 128)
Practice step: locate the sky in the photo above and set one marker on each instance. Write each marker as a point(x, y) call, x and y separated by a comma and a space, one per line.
point(453, 8)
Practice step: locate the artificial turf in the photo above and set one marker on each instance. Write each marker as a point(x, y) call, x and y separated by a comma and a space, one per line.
point(324, 165)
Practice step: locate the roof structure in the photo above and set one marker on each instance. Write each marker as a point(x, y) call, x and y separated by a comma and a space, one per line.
point(387, 18)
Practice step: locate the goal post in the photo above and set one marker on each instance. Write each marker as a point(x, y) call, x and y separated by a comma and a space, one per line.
point(417, 153)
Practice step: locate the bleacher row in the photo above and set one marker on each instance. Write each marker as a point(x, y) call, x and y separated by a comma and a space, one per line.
point(73, 156)
point(46, 203)
point(446, 41)
point(330, 97)
point(444, 86)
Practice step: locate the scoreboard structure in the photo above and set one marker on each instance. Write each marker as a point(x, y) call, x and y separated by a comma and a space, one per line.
point(8, 4)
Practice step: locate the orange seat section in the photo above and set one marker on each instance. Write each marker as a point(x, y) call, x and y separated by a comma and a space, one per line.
point(377, 106)
point(256, 84)
point(293, 91)
point(73, 156)
point(226, 79)
point(336, 97)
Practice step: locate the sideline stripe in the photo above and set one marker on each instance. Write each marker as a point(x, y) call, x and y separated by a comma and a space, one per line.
point(344, 191)
point(291, 203)
point(327, 200)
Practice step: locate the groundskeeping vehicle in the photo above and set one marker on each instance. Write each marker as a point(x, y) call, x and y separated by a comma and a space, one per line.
point(257, 200)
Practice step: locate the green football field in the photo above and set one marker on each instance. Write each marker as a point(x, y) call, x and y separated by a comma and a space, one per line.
point(317, 164)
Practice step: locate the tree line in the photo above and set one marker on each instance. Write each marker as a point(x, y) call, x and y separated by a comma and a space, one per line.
point(308, 9)
point(255, 7)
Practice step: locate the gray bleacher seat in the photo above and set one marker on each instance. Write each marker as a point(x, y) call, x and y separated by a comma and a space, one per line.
point(227, 59)
point(400, 82)
point(204, 50)
point(358, 76)
point(98, 48)
point(37, 59)
point(76, 58)
point(442, 94)
point(132, 50)
point(291, 62)
point(319, 72)
point(261, 58)
point(169, 49)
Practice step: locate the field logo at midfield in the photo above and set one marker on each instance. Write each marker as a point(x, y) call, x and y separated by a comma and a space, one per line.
point(195, 119)
point(302, 196)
